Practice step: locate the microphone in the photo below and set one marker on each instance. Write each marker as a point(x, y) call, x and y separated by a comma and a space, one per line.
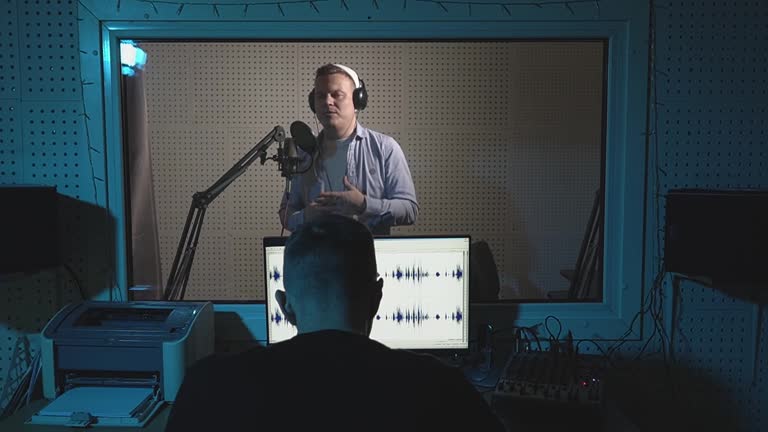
point(303, 138)
point(289, 159)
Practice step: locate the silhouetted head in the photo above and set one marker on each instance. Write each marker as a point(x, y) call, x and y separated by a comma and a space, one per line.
point(330, 277)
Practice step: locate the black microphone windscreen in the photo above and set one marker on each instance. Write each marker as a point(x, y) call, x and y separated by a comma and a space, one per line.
point(290, 148)
point(303, 136)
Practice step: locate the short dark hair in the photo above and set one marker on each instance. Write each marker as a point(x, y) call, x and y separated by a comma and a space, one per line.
point(330, 252)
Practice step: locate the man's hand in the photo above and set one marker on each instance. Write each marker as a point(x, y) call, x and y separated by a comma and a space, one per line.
point(350, 202)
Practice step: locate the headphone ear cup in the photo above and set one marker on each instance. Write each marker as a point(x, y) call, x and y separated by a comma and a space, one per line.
point(360, 97)
point(312, 100)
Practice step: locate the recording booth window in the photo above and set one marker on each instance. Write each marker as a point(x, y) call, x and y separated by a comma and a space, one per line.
point(505, 141)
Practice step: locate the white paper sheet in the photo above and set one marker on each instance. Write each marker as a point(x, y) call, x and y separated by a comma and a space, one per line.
point(98, 401)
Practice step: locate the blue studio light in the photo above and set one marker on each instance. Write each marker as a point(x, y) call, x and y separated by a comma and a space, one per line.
point(131, 57)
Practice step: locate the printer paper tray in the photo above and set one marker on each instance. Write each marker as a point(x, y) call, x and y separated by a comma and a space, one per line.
point(100, 406)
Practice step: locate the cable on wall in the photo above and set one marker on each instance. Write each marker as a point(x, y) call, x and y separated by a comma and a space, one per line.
point(506, 6)
point(653, 301)
point(214, 6)
point(657, 288)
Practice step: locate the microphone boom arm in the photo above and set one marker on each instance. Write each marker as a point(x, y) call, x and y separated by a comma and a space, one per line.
point(185, 253)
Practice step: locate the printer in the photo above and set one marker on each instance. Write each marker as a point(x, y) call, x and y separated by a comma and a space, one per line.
point(115, 364)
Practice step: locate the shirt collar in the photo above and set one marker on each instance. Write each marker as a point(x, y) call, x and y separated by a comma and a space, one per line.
point(360, 132)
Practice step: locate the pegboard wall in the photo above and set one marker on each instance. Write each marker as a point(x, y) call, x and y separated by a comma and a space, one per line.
point(43, 140)
point(709, 130)
point(711, 121)
point(510, 128)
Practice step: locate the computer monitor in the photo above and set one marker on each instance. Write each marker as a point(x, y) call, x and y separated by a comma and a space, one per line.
point(425, 301)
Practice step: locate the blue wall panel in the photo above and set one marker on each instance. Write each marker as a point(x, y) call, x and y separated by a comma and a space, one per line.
point(11, 150)
point(49, 57)
point(9, 50)
point(712, 115)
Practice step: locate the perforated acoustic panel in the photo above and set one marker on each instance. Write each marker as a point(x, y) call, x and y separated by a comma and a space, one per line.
point(503, 141)
point(43, 141)
point(50, 60)
point(712, 134)
point(9, 51)
point(10, 143)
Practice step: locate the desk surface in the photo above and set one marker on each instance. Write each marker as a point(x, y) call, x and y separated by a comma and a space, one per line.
point(15, 423)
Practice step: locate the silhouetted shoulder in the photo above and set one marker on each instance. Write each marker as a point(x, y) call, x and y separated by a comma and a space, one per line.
point(329, 380)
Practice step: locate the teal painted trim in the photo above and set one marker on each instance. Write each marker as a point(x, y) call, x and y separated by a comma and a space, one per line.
point(463, 30)
point(631, 283)
point(93, 109)
point(114, 154)
point(363, 11)
point(625, 145)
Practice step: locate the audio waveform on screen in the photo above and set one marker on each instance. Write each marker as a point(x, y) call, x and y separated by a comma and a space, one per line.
point(279, 319)
point(416, 316)
point(458, 273)
point(457, 315)
point(417, 273)
point(409, 273)
point(275, 274)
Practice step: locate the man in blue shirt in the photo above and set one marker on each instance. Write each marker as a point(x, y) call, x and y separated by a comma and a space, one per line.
point(355, 172)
